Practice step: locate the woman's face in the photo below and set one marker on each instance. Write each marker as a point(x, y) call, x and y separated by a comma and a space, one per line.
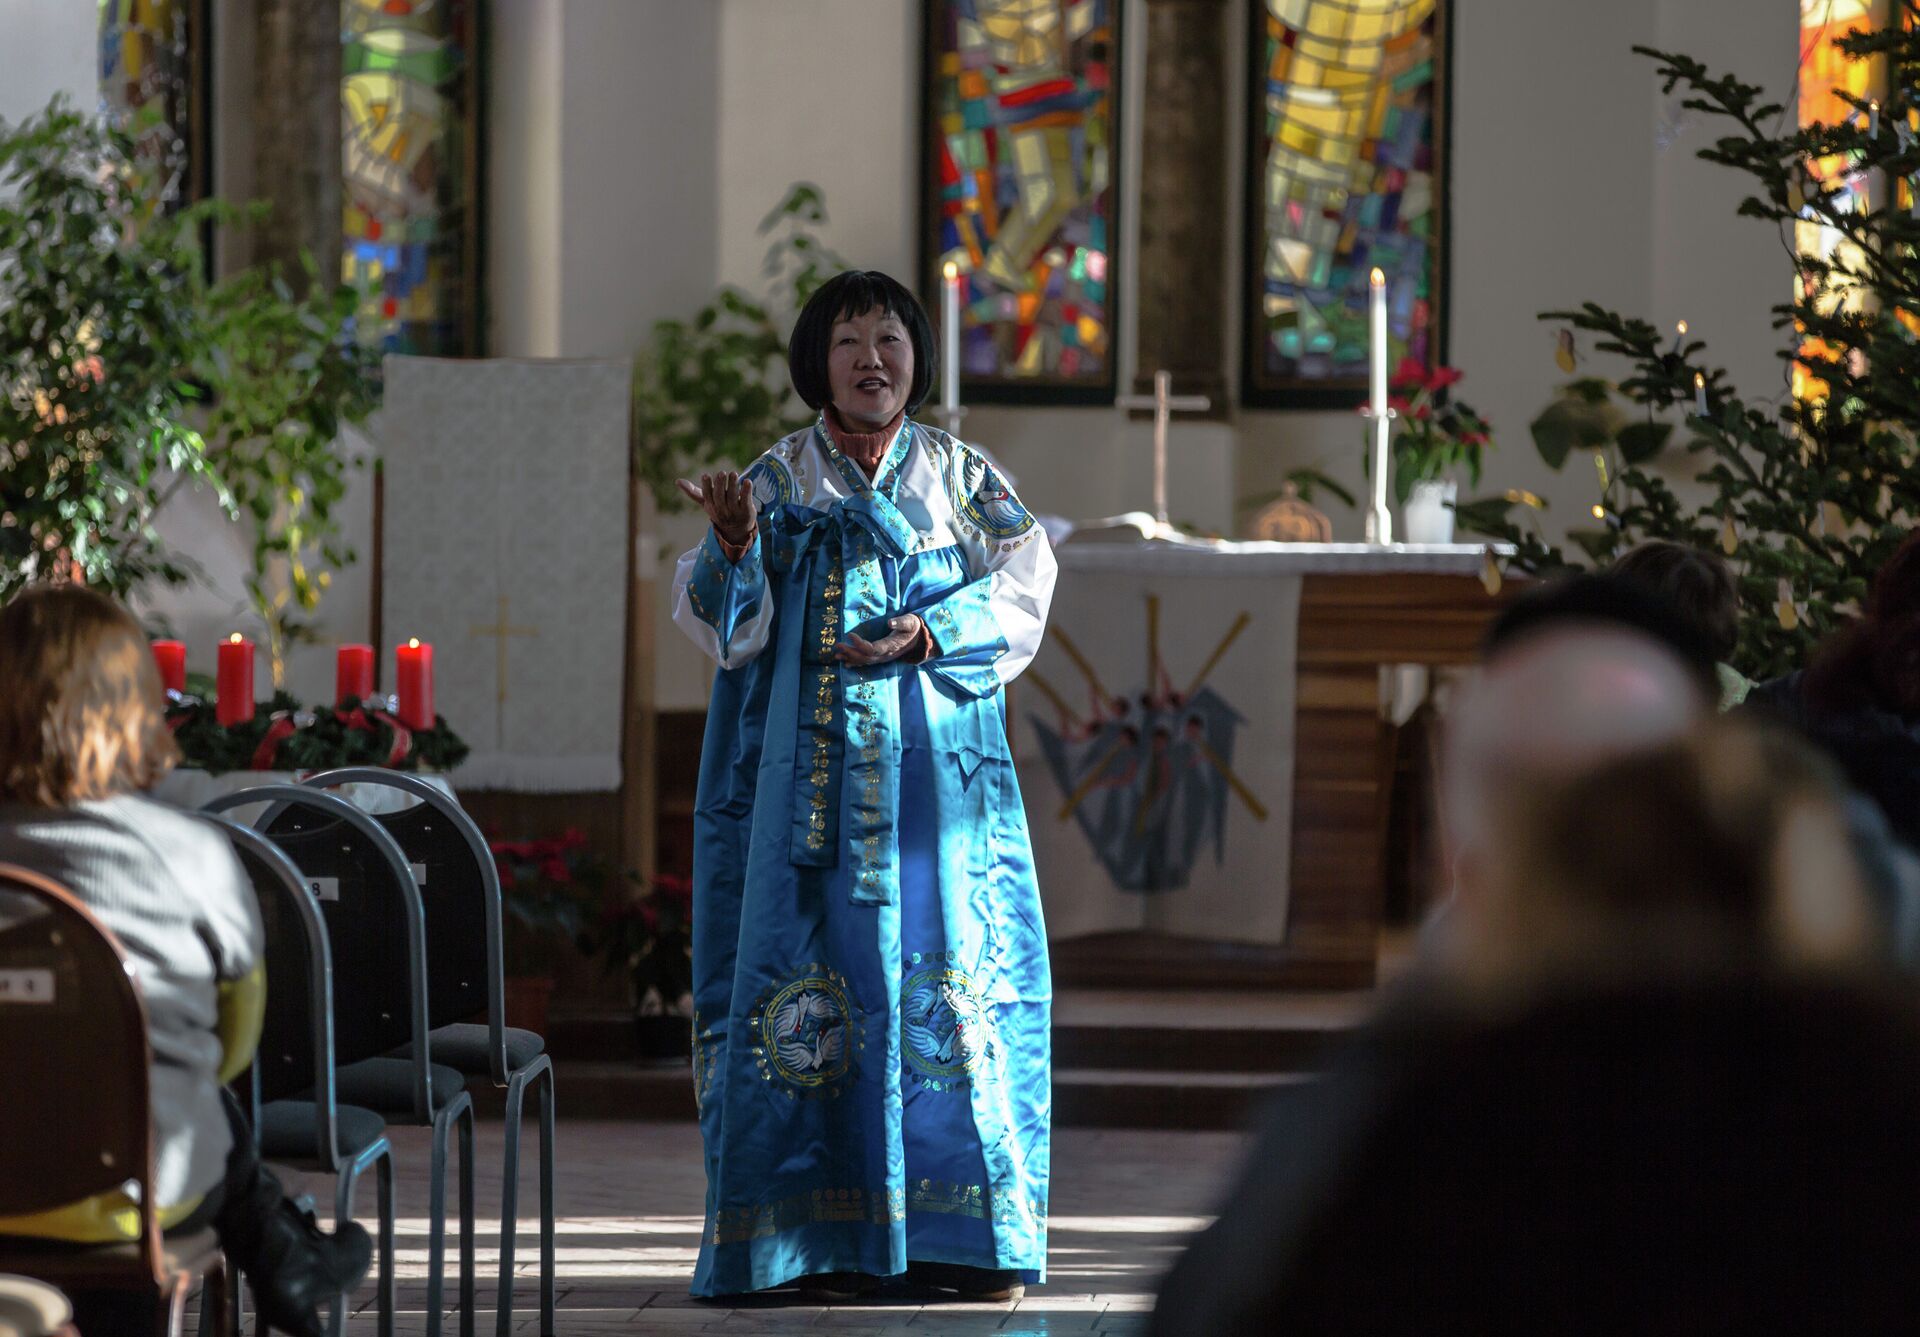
point(869, 369)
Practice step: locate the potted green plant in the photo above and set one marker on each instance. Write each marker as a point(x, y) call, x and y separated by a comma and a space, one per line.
point(131, 375)
point(649, 939)
point(547, 887)
point(1436, 436)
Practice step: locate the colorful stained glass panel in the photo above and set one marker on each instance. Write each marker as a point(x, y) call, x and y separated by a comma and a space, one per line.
point(410, 232)
point(148, 83)
point(1346, 176)
point(1020, 191)
point(1827, 72)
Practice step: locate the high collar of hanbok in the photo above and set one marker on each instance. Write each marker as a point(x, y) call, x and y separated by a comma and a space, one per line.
point(865, 449)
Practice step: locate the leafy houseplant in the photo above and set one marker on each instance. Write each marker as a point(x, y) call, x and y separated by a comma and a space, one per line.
point(1806, 500)
point(126, 375)
point(649, 938)
point(713, 392)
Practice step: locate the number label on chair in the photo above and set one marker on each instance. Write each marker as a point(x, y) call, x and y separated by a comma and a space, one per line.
point(26, 986)
point(324, 888)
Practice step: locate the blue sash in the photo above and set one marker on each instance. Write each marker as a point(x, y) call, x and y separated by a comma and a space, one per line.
point(849, 718)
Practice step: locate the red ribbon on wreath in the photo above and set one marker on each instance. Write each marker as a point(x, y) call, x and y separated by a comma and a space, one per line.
point(278, 731)
point(359, 718)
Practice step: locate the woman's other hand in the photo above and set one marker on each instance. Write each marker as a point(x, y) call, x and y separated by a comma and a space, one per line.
point(727, 498)
point(903, 632)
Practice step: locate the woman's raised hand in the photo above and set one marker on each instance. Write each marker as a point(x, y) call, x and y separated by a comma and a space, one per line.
point(727, 498)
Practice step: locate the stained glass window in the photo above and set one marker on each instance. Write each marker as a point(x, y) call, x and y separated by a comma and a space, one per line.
point(1826, 73)
point(151, 81)
point(408, 135)
point(1346, 174)
point(1020, 191)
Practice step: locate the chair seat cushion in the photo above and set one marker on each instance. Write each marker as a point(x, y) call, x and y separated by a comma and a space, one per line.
point(286, 1130)
point(464, 1044)
point(385, 1085)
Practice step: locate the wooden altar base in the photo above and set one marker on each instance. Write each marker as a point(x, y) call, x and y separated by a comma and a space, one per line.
point(1351, 627)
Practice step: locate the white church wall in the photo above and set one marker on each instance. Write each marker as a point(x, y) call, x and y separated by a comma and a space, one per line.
point(47, 49)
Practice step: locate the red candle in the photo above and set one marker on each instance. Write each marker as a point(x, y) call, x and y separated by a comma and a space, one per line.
point(171, 659)
point(413, 683)
point(233, 702)
point(353, 672)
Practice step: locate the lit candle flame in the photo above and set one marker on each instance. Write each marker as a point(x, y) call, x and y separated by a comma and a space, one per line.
point(1699, 381)
point(951, 270)
point(1599, 511)
point(236, 638)
point(1379, 278)
point(413, 643)
point(1682, 328)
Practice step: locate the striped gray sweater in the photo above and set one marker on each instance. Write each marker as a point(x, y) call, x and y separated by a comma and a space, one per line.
point(168, 885)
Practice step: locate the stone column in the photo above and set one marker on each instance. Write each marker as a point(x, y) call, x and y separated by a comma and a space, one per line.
point(1183, 200)
point(296, 118)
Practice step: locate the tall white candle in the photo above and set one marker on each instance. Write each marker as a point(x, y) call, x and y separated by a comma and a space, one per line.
point(1378, 351)
point(950, 338)
point(1379, 518)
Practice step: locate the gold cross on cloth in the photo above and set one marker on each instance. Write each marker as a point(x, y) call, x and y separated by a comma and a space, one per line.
point(501, 630)
point(1164, 404)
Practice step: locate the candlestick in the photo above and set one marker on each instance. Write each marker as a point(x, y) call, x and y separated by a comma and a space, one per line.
point(1379, 518)
point(1700, 394)
point(170, 657)
point(950, 338)
point(413, 681)
point(353, 672)
point(233, 698)
point(1873, 119)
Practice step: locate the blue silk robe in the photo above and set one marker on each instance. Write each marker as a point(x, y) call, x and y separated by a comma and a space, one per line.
point(872, 998)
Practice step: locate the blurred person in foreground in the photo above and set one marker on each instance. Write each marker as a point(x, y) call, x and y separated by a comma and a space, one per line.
point(1645, 1078)
point(1859, 700)
point(81, 735)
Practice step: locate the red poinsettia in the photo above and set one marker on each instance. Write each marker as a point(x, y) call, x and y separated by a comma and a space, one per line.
point(1436, 432)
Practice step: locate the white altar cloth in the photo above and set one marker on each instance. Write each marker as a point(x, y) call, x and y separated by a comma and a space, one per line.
point(1151, 808)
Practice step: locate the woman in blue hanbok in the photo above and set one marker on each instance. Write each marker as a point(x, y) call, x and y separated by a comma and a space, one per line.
point(872, 997)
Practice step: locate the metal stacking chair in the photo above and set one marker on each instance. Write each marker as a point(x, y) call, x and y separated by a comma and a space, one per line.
point(73, 1043)
point(314, 1133)
point(378, 932)
point(460, 887)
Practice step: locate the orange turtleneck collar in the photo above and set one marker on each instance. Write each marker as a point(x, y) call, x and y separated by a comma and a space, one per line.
point(865, 449)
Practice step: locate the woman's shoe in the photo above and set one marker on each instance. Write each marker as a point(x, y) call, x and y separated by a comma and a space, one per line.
point(985, 1285)
point(828, 1288)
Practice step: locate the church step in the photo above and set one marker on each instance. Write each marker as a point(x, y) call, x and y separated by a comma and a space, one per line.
point(1082, 1097)
point(1144, 1030)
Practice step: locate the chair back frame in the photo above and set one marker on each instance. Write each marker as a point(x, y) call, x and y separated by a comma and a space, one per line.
point(489, 877)
point(126, 999)
point(279, 797)
point(319, 983)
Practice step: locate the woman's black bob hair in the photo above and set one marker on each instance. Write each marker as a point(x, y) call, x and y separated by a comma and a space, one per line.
point(855, 293)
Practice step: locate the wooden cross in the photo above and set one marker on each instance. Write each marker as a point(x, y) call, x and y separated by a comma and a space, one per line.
point(1164, 404)
point(500, 631)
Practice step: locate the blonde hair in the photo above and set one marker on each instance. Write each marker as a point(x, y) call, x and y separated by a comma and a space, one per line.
point(81, 706)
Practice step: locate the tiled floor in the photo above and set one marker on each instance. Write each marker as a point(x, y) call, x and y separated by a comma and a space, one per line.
point(629, 1198)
